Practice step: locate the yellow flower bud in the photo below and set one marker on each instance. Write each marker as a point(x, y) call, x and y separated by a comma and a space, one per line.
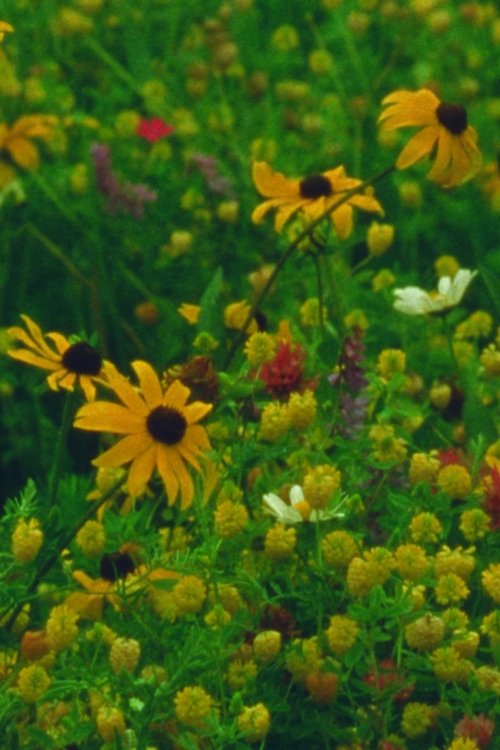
point(27, 538)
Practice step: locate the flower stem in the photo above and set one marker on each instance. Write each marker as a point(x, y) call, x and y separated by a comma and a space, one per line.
point(288, 252)
point(55, 473)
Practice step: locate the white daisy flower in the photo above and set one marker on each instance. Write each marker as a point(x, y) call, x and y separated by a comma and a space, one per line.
point(415, 301)
point(299, 509)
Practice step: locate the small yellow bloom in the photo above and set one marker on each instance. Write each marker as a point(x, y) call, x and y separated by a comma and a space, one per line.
point(411, 561)
point(254, 722)
point(191, 313)
point(27, 538)
point(236, 314)
point(450, 589)
point(425, 528)
point(301, 409)
point(338, 549)
point(274, 421)
point(425, 633)
point(390, 362)
point(341, 634)
point(379, 238)
point(110, 722)
point(383, 280)
point(124, 655)
point(491, 582)
point(455, 481)
point(189, 595)
point(259, 348)
point(446, 265)
point(267, 645)
point(417, 718)
point(91, 538)
point(474, 524)
point(32, 683)
point(61, 629)
point(193, 706)
point(280, 542)
point(320, 484)
point(229, 519)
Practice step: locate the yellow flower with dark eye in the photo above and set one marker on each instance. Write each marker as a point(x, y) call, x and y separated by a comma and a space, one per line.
point(69, 363)
point(160, 429)
point(16, 142)
point(312, 196)
point(445, 135)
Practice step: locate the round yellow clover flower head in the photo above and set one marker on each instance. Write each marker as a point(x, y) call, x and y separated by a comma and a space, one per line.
point(458, 561)
point(193, 706)
point(124, 655)
point(361, 577)
point(341, 634)
point(110, 723)
point(320, 484)
point(490, 360)
point(448, 665)
point(280, 542)
point(320, 61)
point(229, 519)
point(455, 481)
point(379, 238)
point(386, 446)
point(303, 658)
point(32, 683)
point(440, 395)
point(426, 633)
point(301, 409)
point(91, 538)
point(189, 595)
point(425, 528)
point(241, 673)
point(338, 549)
point(424, 467)
point(474, 524)
point(285, 38)
point(463, 743)
point(490, 579)
point(390, 362)
point(61, 629)
point(267, 645)
point(274, 422)
point(411, 561)
point(27, 538)
point(254, 722)
point(260, 347)
point(417, 718)
point(450, 589)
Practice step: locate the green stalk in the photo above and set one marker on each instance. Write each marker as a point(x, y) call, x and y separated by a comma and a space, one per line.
point(55, 474)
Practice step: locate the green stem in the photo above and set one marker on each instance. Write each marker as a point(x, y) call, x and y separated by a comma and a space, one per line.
point(55, 474)
point(113, 64)
point(319, 283)
point(288, 252)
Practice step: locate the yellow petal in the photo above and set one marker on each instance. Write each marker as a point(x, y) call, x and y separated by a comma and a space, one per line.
point(167, 474)
point(176, 395)
point(285, 212)
point(196, 411)
point(125, 392)
point(61, 342)
point(342, 220)
point(409, 109)
point(417, 147)
point(23, 355)
point(261, 210)
point(443, 155)
point(38, 337)
point(87, 387)
point(23, 152)
point(196, 438)
point(149, 383)
point(185, 481)
point(273, 184)
point(125, 450)
point(103, 416)
point(140, 471)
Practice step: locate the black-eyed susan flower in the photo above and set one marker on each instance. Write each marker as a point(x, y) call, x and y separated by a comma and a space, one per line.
point(445, 134)
point(311, 196)
point(69, 364)
point(16, 142)
point(160, 429)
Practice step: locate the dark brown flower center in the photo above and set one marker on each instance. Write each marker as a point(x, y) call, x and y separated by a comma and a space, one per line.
point(166, 424)
point(315, 186)
point(453, 117)
point(82, 359)
point(116, 565)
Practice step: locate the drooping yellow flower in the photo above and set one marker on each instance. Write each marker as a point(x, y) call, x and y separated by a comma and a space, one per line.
point(444, 133)
point(68, 363)
point(312, 196)
point(160, 428)
point(4, 28)
point(191, 313)
point(16, 140)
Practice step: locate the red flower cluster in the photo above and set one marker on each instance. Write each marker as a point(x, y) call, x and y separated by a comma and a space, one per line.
point(388, 676)
point(284, 373)
point(478, 728)
point(154, 129)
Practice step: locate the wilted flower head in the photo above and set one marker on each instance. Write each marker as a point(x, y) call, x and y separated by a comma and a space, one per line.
point(412, 300)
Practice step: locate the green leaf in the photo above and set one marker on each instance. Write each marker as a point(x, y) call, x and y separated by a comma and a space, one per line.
point(209, 319)
point(478, 420)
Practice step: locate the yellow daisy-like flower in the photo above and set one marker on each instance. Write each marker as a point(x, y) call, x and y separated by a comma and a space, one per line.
point(312, 196)
point(160, 429)
point(16, 140)
point(445, 133)
point(69, 364)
